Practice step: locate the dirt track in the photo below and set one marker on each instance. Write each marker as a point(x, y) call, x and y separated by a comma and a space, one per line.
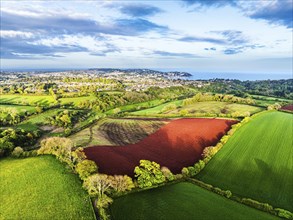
point(176, 145)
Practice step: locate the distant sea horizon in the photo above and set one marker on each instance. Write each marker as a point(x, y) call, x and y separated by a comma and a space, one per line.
point(196, 75)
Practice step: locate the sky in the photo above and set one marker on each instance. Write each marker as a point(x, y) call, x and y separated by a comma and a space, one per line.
point(252, 36)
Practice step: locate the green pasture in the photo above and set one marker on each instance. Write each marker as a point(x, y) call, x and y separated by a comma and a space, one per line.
point(156, 110)
point(181, 201)
point(41, 100)
point(41, 188)
point(257, 161)
point(216, 108)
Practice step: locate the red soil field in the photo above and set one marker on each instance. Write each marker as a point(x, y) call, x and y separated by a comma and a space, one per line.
point(288, 107)
point(176, 145)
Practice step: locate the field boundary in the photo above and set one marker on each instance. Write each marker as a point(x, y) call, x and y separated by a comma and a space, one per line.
point(264, 207)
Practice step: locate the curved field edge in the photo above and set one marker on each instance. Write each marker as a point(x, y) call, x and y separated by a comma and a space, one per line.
point(116, 131)
point(257, 161)
point(41, 188)
point(178, 144)
point(181, 201)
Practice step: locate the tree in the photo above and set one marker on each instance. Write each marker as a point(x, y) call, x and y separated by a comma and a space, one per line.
point(148, 174)
point(77, 156)
point(122, 183)
point(58, 146)
point(85, 168)
point(167, 173)
point(97, 184)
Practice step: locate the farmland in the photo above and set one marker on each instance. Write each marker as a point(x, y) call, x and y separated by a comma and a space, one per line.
point(178, 144)
point(176, 108)
point(21, 109)
point(288, 108)
point(257, 161)
point(116, 132)
point(33, 123)
point(181, 201)
point(41, 100)
point(216, 108)
point(41, 188)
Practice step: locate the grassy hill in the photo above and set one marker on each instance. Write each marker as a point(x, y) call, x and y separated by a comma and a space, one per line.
point(181, 201)
point(257, 161)
point(41, 188)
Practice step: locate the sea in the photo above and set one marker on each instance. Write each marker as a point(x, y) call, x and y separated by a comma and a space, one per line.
point(201, 75)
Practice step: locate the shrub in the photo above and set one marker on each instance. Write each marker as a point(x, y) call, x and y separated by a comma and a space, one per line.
point(284, 213)
point(263, 206)
point(17, 152)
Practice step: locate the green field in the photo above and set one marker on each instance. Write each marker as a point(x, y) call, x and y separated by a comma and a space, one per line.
point(266, 100)
point(32, 123)
point(217, 108)
point(76, 100)
point(41, 188)
point(257, 161)
point(157, 109)
point(137, 106)
point(181, 201)
point(42, 100)
point(21, 109)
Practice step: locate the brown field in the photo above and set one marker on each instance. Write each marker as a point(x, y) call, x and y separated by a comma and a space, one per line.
point(288, 107)
point(177, 144)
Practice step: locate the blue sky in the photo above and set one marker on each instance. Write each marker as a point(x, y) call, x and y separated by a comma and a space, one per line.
point(194, 35)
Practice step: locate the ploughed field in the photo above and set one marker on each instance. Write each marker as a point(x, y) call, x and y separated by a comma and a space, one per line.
point(288, 107)
point(177, 144)
point(181, 201)
point(41, 188)
point(257, 161)
point(117, 131)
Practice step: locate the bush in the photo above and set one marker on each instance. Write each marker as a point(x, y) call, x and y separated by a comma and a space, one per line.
point(284, 213)
point(85, 168)
point(17, 152)
point(263, 206)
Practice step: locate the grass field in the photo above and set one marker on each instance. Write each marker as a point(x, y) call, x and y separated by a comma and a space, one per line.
point(21, 109)
point(43, 100)
point(266, 100)
point(157, 109)
point(76, 100)
point(41, 188)
point(137, 106)
point(31, 124)
point(181, 201)
point(217, 108)
point(257, 161)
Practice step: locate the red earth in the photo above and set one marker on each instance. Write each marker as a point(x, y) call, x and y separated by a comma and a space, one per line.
point(176, 145)
point(288, 107)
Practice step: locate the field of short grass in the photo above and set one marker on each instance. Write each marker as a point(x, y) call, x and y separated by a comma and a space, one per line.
point(21, 109)
point(257, 161)
point(32, 123)
point(156, 110)
point(216, 108)
point(75, 101)
point(137, 106)
point(181, 201)
point(42, 100)
point(41, 188)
